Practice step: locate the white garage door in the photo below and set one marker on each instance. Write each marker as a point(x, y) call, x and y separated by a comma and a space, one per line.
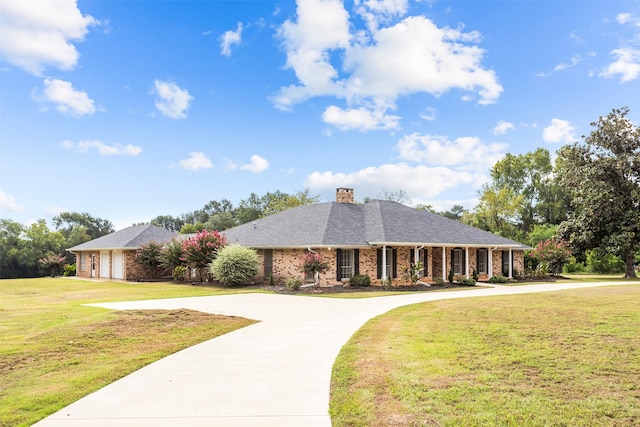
point(117, 264)
point(104, 265)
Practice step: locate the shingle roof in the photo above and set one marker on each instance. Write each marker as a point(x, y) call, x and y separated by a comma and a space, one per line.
point(360, 225)
point(129, 238)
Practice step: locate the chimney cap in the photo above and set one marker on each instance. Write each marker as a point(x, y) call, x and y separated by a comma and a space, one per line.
point(344, 195)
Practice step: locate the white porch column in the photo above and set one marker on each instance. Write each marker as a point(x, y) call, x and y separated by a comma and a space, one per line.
point(444, 264)
point(384, 263)
point(510, 264)
point(466, 259)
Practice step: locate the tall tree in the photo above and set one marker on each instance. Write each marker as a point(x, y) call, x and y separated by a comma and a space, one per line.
point(530, 177)
point(603, 175)
point(11, 237)
point(94, 227)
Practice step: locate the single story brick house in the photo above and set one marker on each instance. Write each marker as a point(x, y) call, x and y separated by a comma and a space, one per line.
point(378, 239)
point(113, 256)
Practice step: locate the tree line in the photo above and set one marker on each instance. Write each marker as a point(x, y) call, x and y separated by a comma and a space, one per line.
point(586, 200)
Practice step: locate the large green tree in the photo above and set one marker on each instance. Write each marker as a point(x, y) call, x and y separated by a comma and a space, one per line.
point(603, 175)
point(94, 227)
point(524, 191)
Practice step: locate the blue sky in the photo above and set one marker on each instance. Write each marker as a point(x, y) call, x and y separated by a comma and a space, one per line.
point(132, 109)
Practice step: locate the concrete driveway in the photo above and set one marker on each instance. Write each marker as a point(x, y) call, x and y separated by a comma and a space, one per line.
point(273, 373)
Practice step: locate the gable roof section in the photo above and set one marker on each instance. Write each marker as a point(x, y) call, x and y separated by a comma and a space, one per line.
point(376, 223)
point(128, 238)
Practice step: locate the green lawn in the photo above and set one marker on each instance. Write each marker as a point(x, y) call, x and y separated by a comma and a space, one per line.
point(569, 358)
point(54, 350)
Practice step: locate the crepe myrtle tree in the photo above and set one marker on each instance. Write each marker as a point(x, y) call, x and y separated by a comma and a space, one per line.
point(199, 251)
point(603, 176)
point(314, 264)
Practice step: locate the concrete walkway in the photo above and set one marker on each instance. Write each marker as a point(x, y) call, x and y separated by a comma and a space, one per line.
point(273, 373)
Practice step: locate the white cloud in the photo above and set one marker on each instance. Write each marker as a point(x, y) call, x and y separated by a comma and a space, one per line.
point(380, 64)
point(230, 38)
point(103, 149)
point(429, 114)
point(8, 203)
point(559, 131)
point(575, 60)
point(196, 161)
point(39, 33)
point(172, 101)
point(361, 119)
point(322, 26)
point(627, 57)
point(66, 98)
point(623, 18)
point(419, 182)
point(468, 153)
point(375, 12)
point(627, 64)
point(256, 165)
point(502, 127)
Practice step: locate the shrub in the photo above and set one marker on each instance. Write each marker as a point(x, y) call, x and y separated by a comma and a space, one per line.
point(450, 276)
point(149, 256)
point(235, 265)
point(604, 263)
point(179, 273)
point(574, 267)
point(171, 255)
point(498, 279)
point(468, 282)
point(69, 270)
point(438, 280)
point(293, 283)
point(360, 280)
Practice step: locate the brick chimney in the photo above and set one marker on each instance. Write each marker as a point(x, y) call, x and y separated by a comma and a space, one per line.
point(344, 195)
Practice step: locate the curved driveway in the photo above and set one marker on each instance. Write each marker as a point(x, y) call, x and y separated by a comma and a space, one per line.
point(273, 373)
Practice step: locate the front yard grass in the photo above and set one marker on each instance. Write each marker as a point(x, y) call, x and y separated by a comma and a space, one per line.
point(54, 350)
point(563, 358)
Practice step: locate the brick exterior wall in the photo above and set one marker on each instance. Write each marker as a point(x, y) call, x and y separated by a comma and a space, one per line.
point(286, 264)
point(132, 271)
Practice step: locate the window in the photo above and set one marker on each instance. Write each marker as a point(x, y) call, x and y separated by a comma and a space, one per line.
point(392, 266)
point(423, 255)
point(268, 263)
point(346, 264)
point(82, 261)
point(457, 261)
point(482, 261)
point(505, 263)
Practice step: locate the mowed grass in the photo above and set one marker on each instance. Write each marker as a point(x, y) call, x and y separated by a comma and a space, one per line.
point(568, 358)
point(54, 350)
